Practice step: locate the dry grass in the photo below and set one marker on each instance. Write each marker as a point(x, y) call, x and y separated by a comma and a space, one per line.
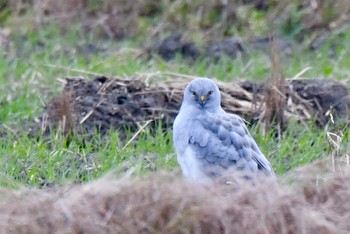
point(165, 204)
point(120, 18)
point(63, 114)
point(275, 98)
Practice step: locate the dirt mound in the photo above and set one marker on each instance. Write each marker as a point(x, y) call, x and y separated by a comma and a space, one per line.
point(231, 47)
point(129, 104)
point(166, 205)
point(104, 103)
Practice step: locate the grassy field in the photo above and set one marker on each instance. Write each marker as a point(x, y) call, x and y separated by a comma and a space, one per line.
point(32, 60)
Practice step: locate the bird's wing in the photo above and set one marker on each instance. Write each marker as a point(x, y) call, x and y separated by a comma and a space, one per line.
point(258, 156)
point(223, 140)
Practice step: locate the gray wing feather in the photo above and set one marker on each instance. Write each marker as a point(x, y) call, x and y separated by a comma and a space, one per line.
point(224, 140)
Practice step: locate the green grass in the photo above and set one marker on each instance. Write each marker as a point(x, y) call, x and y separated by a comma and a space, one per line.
point(27, 83)
point(39, 161)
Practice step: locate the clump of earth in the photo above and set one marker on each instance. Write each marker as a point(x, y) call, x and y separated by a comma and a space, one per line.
point(230, 47)
point(103, 103)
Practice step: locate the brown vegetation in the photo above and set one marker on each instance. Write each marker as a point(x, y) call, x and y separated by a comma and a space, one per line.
point(63, 115)
point(120, 18)
point(165, 204)
point(275, 98)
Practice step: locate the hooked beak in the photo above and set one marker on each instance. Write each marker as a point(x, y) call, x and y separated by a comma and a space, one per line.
point(202, 100)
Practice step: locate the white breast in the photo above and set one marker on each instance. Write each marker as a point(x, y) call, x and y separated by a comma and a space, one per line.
point(190, 166)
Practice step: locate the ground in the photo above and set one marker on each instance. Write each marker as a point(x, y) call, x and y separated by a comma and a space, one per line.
point(39, 56)
point(91, 89)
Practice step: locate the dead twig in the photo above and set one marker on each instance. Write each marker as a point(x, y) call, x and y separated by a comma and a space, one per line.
point(137, 133)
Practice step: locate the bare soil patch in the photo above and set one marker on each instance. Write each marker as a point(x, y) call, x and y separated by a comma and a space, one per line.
point(103, 103)
point(214, 50)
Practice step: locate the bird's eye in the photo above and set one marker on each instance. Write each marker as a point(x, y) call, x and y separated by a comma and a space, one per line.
point(193, 93)
point(210, 92)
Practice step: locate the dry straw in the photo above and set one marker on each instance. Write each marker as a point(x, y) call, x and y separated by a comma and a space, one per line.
point(166, 204)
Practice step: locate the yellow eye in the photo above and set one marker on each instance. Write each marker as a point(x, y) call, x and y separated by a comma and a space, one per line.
point(210, 92)
point(193, 93)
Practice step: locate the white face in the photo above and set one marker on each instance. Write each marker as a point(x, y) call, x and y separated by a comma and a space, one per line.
point(202, 93)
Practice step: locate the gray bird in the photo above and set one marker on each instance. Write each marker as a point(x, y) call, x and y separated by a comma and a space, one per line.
point(208, 141)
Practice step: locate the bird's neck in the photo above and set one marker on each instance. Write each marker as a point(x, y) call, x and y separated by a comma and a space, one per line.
point(196, 110)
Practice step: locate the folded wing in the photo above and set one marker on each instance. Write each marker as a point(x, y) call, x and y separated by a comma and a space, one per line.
point(223, 141)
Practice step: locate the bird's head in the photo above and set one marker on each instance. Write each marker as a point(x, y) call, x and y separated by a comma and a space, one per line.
point(203, 94)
